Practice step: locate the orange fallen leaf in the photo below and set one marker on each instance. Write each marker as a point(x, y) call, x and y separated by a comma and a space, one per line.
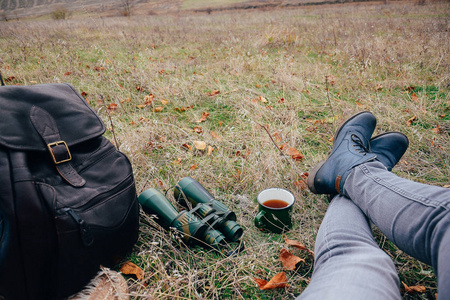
point(297, 245)
point(294, 153)
point(214, 93)
point(193, 167)
point(277, 137)
point(414, 97)
point(149, 99)
point(282, 146)
point(200, 145)
point(203, 117)
point(164, 101)
point(215, 136)
point(129, 268)
point(210, 150)
point(414, 288)
point(187, 146)
point(67, 73)
point(198, 129)
point(158, 109)
point(301, 184)
point(277, 281)
point(289, 260)
point(112, 106)
point(141, 106)
point(10, 78)
point(411, 120)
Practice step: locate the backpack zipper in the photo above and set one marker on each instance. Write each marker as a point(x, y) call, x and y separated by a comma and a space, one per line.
point(85, 230)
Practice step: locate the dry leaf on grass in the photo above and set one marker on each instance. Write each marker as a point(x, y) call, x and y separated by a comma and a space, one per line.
point(200, 145)
point(297, 245)
point(294, 153)
point(129, 268)
point(203, 117)
point(414, 289)
point(411, 120)
point(277, 281)
point(289, 260)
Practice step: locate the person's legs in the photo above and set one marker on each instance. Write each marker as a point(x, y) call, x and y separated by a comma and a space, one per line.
point(414, 216)
point(348, 263)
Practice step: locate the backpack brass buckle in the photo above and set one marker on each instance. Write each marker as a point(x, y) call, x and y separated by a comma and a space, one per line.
point(51, 146)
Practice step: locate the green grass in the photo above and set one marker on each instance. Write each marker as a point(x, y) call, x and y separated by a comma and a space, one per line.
point(371, 52)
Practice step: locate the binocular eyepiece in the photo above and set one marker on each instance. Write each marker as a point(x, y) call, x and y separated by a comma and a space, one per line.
point(209, 221)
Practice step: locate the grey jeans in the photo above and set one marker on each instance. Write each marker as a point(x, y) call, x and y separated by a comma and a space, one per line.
point(350, 265)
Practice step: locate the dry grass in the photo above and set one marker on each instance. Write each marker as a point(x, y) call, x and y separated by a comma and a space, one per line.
point(371, 53)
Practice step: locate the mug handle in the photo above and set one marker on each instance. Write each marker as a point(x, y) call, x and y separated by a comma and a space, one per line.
point(258, 222)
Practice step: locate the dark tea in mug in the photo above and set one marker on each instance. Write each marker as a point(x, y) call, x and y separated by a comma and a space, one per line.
point(275, 203)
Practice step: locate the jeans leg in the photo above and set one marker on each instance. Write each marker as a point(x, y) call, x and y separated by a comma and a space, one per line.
point(348, 263)
point(412, 215)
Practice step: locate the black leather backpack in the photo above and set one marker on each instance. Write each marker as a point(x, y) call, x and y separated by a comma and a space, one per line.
point(67, 195)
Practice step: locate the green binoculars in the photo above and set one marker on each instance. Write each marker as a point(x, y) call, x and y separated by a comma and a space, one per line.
point(209, 222)
point(192, 229)
point(210, 210)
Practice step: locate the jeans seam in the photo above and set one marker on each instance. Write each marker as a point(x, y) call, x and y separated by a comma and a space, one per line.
point(397, 190)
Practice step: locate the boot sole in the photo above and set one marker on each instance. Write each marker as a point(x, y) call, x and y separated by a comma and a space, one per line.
point(312, 177)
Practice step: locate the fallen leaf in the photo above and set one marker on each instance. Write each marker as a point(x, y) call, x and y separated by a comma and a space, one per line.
point(183, 109)
point(297, 245)
point(414, 289)
point(411, 120)
point(187, 146)
point(159, 182)
point(99, 68)
point(294, 153)
point(281, 100)
point(214, 93)
point(67, 73)
point(200, 145)
point(112, 106)
point(414, 97)
point(410, 88)
point(129, 268)
point(10, 78)
point(289, 260)
point(120, 86)
point(277, 281)
point(378, 87)
point(158, 109)
point(282, 146)
point(141, 106)
point(164, 101)
point(149, 99)
point(198, 129)
point(301, 184)
point(84, 94)
point(203, 117)
point(277, 137)
point(193, 167)
point(210, 150)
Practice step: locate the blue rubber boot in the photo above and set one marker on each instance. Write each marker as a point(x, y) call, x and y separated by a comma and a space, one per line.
point(389, 148)
point(350, 149)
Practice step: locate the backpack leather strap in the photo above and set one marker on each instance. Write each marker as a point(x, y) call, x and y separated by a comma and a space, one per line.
point(47, 128)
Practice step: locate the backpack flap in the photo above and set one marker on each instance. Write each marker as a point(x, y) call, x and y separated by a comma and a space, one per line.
point(42, 118)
